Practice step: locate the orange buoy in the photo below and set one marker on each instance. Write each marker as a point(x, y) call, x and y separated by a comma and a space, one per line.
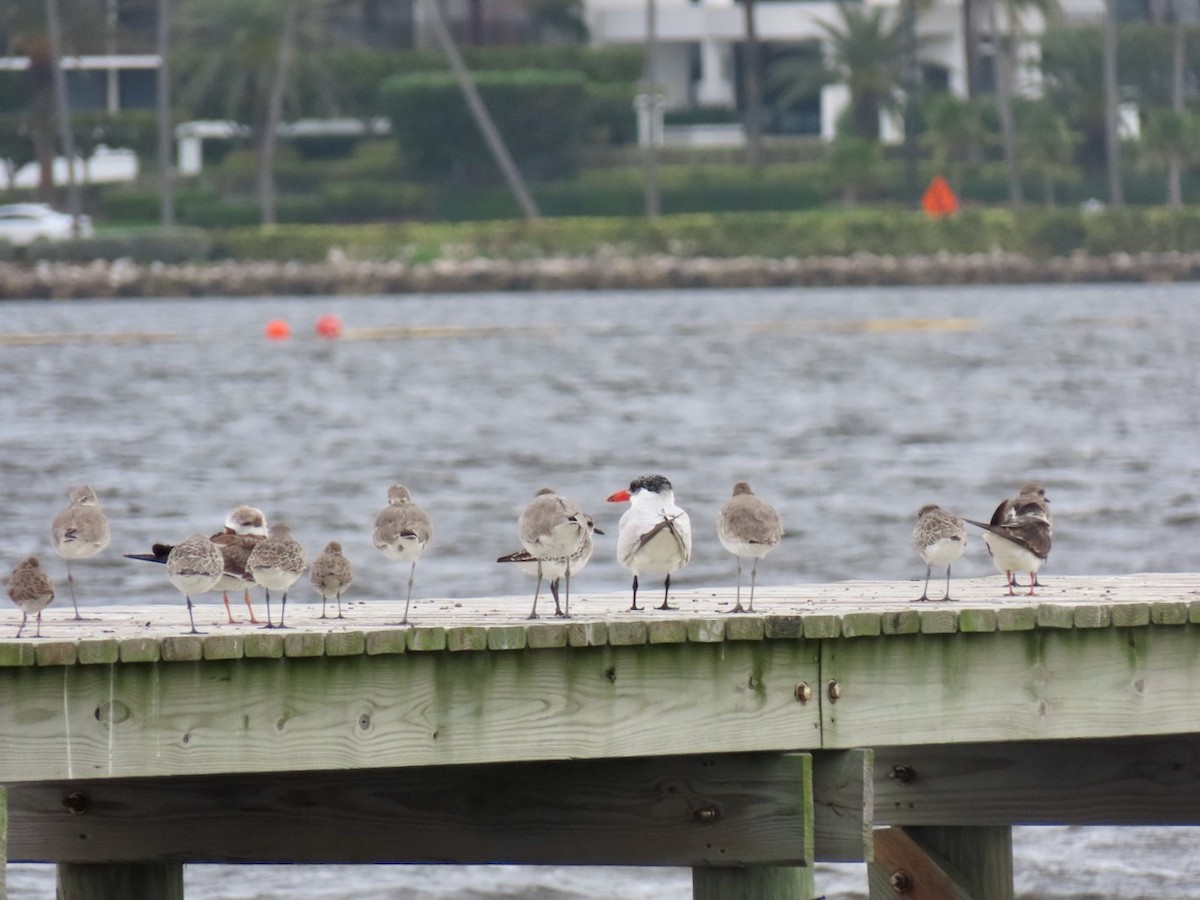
point(329, 326)
point(278, 330)
point(939, 198)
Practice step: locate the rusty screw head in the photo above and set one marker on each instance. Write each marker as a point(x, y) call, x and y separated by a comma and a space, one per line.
point(835, 690)
point(901, 882)
point(803, 692)
point(76, 803)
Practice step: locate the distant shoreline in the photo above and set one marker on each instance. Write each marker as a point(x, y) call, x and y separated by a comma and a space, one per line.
point(123, 278)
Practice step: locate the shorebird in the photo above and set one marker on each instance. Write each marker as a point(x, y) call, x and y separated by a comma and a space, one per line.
point(556, 535)
point(194, 567)
point(748, 526)
point(244, 527)
point(276, 563)
point(31, 589)
point(654, 535)
point(79, 531)
point(330, 575)
point(402, 531)
point(940, 538)
point(1018, 536)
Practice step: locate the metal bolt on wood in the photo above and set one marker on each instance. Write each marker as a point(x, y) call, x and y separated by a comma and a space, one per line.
point(76, 803)
point(804, 692)
point(902, 774)
point(901, 882)
point(707, 814)
point(835, 690)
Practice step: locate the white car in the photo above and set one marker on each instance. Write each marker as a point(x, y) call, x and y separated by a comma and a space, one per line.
point(23, 223)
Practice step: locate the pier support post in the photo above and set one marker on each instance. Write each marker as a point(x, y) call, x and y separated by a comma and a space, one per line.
point(942, 863)
point(3, 843)
point(753, 883)
point(120, 881)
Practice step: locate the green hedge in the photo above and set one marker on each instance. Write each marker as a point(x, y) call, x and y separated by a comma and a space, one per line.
point(539, 115)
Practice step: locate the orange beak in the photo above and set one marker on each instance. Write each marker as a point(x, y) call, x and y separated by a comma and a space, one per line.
point(621, 496)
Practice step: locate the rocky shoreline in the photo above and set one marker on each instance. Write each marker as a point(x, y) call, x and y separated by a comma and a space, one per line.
point(125, 278)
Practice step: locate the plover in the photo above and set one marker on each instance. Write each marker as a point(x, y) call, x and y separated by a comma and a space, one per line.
point(1018, 537)
point(939, 538)
point(276, 563)
point(31, 589)
point(557, 536)
point(79, 531)
point(194, 567)
point(330, 574)
point(402, 531)
point(748, 526)
point(654, 535)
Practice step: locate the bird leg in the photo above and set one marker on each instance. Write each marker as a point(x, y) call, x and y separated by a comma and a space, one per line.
point(737, 607)
point(635, 606)
point(283, 610)
point(408, 599)
point(537, 590)
point(323, 599)
point(1008, 580)
point(1032, 583)
point(268, 593)
point(191, 619)
point(753, 579)
point(947, 597)
point(567, 598)
point(666, 594)
point(554, 594)
point(339, 601)
point(228, 611)
point(925, 593)
point(253, 620)
point(21, 627)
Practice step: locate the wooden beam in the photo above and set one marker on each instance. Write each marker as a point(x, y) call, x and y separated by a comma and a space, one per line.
point(843, 805)
point(1041, 684)
point(405, 709)
point(126, 881)
point(3, 843)
point(941, 864)
point(1134, 781)
point(761, 883)
point(734, 810)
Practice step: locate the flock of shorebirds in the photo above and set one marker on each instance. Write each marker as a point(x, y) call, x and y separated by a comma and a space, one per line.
point(654, 538)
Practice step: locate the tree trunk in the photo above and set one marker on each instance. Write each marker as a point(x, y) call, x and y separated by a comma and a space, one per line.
point(1002, 46)
point(269, 138)
point(1112, 135)
point(650, 151)
point(166, 163)
point(62, 109)
point(973, 63)
point(41, 100)
point(1178, 68)
point(754, 105)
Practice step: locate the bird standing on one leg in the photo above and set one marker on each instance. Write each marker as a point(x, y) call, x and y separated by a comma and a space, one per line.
point(402, 531)
point(79, 531)
point(939, 538)
point(194, 566)
point(748, 526)
point(655, 535)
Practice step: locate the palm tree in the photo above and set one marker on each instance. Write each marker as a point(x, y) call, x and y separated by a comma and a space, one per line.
point(166, 166)
point(954, 132)
point(1112, 132)
point(1171, 138)
point(241, 56)
point(27, 28)
point(868, 54)
point(754, 104)
point(1048, 145)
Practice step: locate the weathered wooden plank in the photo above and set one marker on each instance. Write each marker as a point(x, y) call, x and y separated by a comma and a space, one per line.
point(422, 709)
point(843, 805)
point(942, 864)
point(753, 883)
point(1136, 781)
point(729, 810)
point(161, 880)
point(903, 868)
point(3, 843)
point(1040, 684)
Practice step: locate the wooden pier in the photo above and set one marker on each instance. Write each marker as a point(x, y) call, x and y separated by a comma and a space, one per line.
point(838, 722)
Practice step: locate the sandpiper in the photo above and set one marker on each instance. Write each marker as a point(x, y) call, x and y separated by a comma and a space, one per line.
point(330, 574)
point(31, 589)
point(79, 531)
point(557, 536)
point(402, 531)
point(748, 526)
point(276, 563)
point(939, 538)
point(194, 567)
point(655, 535)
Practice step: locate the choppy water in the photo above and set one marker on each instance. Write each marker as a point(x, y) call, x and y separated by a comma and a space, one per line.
point(848, 409)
